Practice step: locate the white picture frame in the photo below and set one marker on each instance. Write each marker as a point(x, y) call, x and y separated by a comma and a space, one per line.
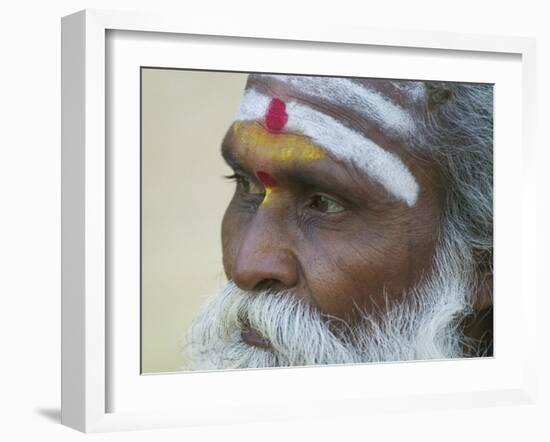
point(87, 358)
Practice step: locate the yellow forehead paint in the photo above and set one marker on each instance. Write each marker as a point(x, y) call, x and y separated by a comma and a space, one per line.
point(276, 146)
point(268, 192)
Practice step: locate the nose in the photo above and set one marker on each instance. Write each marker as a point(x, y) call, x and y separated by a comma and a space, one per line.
point(265, 259)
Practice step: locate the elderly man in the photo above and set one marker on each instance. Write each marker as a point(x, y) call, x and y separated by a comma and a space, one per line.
point(361, 225)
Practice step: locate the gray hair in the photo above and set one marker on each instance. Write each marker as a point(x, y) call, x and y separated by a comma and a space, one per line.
point(457, 130)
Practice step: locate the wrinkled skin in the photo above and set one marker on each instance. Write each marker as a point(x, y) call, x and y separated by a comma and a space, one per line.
point(331, 235)
point(335, 259)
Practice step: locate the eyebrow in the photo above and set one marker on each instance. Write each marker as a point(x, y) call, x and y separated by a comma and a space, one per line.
point(324, 183)
point(234, 163)
point(230, 158)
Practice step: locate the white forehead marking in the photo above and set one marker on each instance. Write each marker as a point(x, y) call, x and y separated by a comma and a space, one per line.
point(342, 142)
point(363, 100)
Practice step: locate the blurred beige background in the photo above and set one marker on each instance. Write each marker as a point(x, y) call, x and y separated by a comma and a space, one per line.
point(185, 115)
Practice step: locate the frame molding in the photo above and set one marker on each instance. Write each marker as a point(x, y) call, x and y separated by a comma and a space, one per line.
point(84, 199)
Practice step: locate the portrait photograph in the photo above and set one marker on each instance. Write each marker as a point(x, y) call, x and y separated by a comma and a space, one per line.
point(291, 220)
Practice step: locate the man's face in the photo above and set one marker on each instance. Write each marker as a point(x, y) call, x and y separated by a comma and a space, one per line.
point(321, 227)
point(333, 243)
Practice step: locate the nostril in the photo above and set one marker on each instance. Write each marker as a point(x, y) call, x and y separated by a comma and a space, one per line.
point(267, 284)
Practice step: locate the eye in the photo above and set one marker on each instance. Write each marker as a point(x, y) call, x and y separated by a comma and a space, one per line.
point(326, 205)
point(245, 185)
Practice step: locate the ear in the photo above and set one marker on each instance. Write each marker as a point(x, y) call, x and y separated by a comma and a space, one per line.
point(438, 93)
point(483, 297)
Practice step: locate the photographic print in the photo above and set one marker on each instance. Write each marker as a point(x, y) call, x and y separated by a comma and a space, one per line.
point(298, 220)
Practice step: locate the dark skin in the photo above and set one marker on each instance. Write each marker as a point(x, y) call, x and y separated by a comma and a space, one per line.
point(330, 234)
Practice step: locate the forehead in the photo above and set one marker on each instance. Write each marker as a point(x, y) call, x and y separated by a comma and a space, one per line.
point(389, 105)
point(363, 122)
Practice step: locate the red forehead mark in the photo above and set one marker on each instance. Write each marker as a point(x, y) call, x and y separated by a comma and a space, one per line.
point(276, 116)
point(266, 179)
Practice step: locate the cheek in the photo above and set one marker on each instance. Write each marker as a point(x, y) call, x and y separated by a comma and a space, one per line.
point(340, 277)
point(358, 271)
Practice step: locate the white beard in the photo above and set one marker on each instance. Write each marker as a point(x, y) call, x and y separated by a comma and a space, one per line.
point(425, 324)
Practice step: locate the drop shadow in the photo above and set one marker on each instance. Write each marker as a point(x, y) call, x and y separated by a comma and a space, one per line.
point(51, 414)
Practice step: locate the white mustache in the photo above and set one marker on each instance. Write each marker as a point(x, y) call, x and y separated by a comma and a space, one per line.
point(422, 326)
point(279, 317)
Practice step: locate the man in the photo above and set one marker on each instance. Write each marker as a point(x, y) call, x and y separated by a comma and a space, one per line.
point(361, 225)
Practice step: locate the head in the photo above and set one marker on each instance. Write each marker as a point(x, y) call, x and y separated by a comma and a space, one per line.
point(361, 225)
